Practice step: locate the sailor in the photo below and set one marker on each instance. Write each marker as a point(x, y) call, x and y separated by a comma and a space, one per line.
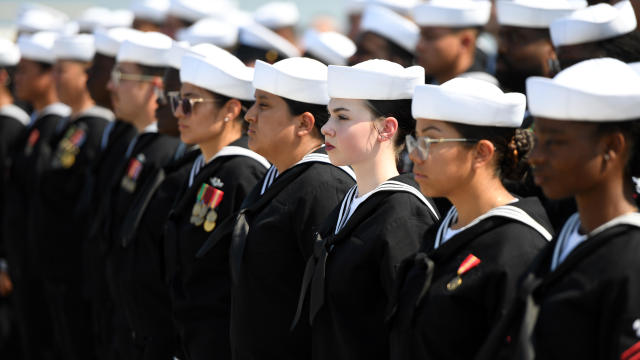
point(581, 298)
point(272, 237)
point(256, 42)
point(598, 31)
point(524, 43)
point(381, 220)
point(328, 47)
point(448, 34)
point(149, 15)
point(386, 35)
point(33, 84)
point(216, 92)
point(452, 292)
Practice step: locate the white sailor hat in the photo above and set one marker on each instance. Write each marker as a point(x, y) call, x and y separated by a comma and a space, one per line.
point(330, 47)
point(635, 66)
point(469, 101)
point(598, 90)
point(277, 14)
point(38, 46)
point(221, 73)
point(35, 17)
point(402, 7)
point(9, 53)
point(96, 17)
point(258, 36)
point(535, 13)
point(146, 48)
point(595, 23)
point(300, 79)
point(374, 80)
point(392, 26)
point(210, 30)
point(452, 13)
point(355, 6)
point(150, 10)
point(194, 10)
point(80, 47)
point(108, 41)
point(175, 54)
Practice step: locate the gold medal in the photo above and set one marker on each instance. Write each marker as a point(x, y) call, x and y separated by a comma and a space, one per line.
point(210, 222)
point(454, 283)
point(67, 160)
point(197, 208)
point(198, 220)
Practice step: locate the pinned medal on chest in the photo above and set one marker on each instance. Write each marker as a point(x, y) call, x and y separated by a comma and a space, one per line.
point(469, 263)
point(34, 136)
point(69, 147)
point(130, 179)
point(204, 210)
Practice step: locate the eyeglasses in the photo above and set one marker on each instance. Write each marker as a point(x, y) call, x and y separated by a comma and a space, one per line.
point(117, 76)
point(422, 144)
point(187, 104)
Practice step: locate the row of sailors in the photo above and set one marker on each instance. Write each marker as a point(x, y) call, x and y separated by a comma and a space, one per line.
point(112, 227)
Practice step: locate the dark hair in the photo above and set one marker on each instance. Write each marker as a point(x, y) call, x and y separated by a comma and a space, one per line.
point(512, 147)
point(152, 70)
point(625, 48)
point(249, 54)
point(44, 66)
point(319, 112)
point(245, 105)
point(11, 71)
point(631, 132)
point(404, 57)
point(401, 111)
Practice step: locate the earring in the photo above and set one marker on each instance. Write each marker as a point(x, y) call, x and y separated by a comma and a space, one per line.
point(226, 119)
point(606, 157)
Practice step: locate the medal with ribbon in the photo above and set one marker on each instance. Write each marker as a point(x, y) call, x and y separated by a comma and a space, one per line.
point(207, 200)
point(212, 215)
point(69, 146)
point(469, 263)
point(134, 169)
point(34, 135)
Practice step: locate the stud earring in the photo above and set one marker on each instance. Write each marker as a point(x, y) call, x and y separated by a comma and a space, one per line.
point(606, 157)
point(226, 119)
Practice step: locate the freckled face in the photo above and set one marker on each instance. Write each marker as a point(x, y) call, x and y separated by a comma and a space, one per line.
point(448, 165)
point(350, 135)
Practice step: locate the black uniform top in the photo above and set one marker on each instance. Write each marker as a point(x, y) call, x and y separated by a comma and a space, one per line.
point(13, 122)
point(589, 304)
point(272, 241)
point(28, 160)
point(59, 239)
point(452, 293)
point(144, 290)
point(354, 267)
point(200, 287)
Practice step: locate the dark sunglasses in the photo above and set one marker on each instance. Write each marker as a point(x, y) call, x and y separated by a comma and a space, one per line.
point(187, 104)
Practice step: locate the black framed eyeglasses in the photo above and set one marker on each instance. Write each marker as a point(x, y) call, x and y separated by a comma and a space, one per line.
point(422, 144)
point(186, 104)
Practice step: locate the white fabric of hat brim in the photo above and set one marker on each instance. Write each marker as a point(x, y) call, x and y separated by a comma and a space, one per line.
point(35, 17)
point(635, 66)
point(277, 14)
point(96, 17)
point(390, 25)
point(534, 13)
point(469, 101)
point(79, 47)
point(150, 10)
point(258, 36)
point(146, 48)
point(177, 51)
point(194, 10)
point(402, 7)
point(354, 7)
point(374, 80)
point(330, 47)
point(210, 30)
point(595, 23)
point(597, 90)
point(452, 13)
point(299, 79)
point(108, 41)
point(38, 46)
point(221, 74)
point(9, 53)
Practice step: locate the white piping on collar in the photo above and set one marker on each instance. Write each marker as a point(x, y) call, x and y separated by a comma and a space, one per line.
point(230, 150)
point(15, 112)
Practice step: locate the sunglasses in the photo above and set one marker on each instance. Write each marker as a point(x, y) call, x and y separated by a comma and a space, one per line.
point(186, 104)
point(117, 76)
point(422, 144)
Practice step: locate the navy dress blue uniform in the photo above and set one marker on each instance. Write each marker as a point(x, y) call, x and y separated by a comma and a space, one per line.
point(588, 305)
point(57, 240)
point(354, 268)
point(271, 243)
point(145, 294)
point(453, 292)
point(28, 159)
point(200, 286)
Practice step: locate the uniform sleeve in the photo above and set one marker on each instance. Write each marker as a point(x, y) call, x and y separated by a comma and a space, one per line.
point(625, 334)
